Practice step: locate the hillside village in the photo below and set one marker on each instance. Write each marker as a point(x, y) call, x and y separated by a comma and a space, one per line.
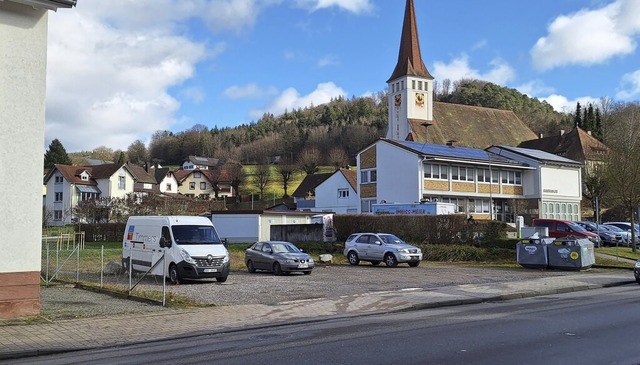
point(485, 161)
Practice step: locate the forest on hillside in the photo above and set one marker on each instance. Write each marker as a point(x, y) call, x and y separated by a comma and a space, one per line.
point(336, 131)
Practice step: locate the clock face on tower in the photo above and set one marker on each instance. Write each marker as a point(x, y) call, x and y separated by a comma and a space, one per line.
point(420, 99)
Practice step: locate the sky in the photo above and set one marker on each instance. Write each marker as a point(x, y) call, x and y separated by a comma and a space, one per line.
point(120, 70)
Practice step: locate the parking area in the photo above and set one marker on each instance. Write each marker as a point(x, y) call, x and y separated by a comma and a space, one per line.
point(330, 281)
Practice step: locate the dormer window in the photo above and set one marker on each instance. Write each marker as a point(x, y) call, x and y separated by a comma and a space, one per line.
point(84, 176)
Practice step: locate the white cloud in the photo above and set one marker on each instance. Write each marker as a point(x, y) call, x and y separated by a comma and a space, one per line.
point(535, 88)
point(630, 86)
point(109, 86)
point(328, 60)
point(291, 99)
point(562, 104)
point(354, 6)
point(250, 91)
point(500, 72)
point(589, 37)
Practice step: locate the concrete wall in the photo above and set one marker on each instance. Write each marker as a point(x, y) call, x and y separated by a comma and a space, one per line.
point(23, 46)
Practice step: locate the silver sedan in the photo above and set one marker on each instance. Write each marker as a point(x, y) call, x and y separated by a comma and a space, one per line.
point(278, 257)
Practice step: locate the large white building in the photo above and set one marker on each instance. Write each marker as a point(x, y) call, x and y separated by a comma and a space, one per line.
point(23, 46)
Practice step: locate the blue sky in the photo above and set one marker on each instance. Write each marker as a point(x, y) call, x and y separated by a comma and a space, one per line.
point(120, 70)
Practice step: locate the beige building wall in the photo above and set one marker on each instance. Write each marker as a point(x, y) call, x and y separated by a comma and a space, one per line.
point(23, 50)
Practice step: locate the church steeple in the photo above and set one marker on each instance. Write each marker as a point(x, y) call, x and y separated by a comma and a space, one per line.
point(409, 58)
point(410, 88)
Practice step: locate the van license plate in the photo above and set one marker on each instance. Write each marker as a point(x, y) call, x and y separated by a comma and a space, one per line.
point(210, 270)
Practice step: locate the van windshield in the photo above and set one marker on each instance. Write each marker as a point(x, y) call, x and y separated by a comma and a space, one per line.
point(195, 235)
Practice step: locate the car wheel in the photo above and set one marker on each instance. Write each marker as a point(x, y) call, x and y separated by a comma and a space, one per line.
point(375, 263)
point(414, 263)
point(352, 256)
point(250, 267)
point(390, 260)
point(221, 279)
point(277, 269)
point(174, 277)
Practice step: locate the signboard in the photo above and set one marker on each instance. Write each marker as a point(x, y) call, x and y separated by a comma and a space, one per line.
point(415, 209)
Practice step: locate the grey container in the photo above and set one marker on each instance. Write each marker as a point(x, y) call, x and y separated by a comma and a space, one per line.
point(571, 253)
point(532, 253)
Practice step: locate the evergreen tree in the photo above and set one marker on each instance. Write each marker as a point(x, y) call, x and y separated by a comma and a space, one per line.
point(577, 120)
point(598, 132)
point(56, 154)
point(121, 158)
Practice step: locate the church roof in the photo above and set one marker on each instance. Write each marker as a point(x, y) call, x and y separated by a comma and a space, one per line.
point(470, 126)
point(409, 58)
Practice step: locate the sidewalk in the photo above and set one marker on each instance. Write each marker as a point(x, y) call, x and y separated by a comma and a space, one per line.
point(37, 339)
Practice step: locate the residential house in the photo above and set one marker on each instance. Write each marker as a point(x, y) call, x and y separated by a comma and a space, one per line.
point(23, 46)
point(338, 193)
point(204, 183)
point(498, 183)
point(145, 180)
point(166, 179)
point(69, 185)
point(201, 163)
point(305, 194)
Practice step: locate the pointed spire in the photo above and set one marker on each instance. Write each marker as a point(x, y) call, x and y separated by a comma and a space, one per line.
point(409, 58)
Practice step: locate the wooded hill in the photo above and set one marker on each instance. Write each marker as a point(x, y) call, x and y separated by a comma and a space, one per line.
point(335, 131)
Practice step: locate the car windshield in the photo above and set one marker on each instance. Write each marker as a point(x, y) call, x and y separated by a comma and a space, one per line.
point(195, 235)
point(613, 228)
point(390, 239)
point(576, 227)
point(284, 248)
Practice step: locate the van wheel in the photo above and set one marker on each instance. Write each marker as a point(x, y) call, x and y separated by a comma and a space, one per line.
point(221, 279)
point(174, 277)
point(277, 269)
point(250, 267)
point(352, 256)
point(390, 260)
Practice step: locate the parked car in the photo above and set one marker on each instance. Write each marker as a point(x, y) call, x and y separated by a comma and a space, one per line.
point(625, 226)
point(626, 236)
point(559, 228)
point(378, 247)
point(280, 257)
point(636, 271)
point(608, 237)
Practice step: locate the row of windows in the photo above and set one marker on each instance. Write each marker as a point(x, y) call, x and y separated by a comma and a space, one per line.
point(415, 85)
point(192, 186)
point(461, 173)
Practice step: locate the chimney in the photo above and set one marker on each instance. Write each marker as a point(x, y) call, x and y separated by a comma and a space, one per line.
point(562, 132)
point(589, 132)
point(451, 142)
point(540, 135)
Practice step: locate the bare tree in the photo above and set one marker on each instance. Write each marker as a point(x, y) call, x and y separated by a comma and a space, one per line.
point(286, 169)
point(309, 160)
point(623, 169)
point(262, 177)
point(238, 177)
point(338, 158)
point(137, 152)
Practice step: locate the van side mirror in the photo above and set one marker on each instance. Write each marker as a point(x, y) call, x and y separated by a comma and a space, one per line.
point(164, 243)
point(225, 243)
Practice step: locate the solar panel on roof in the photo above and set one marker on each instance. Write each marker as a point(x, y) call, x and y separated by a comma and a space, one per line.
point(467, 153)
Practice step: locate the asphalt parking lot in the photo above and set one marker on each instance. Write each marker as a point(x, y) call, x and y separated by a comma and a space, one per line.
point(329, 281)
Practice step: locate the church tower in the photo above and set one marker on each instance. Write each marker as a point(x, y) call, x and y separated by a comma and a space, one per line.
point(410, 87)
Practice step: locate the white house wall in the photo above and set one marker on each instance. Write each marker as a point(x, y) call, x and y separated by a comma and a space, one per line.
point(23, 46)
point(562, 184)
point(401, 179)
point(327, 199)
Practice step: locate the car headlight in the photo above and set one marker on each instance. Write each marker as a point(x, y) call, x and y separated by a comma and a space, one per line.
point(637, 264)
point(289, 261)
point(186, 257)
point(403, 250)
point(310, 260)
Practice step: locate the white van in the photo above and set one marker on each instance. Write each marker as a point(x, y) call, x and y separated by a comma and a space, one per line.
point(193, 247)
